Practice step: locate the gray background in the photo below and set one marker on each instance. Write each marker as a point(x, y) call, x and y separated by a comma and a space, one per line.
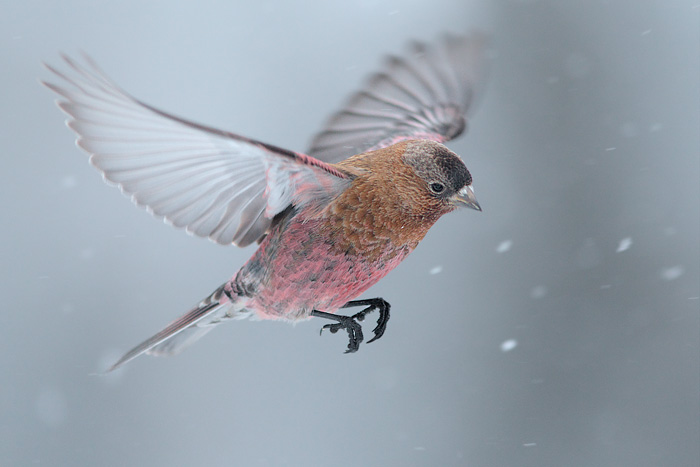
point(586, 140)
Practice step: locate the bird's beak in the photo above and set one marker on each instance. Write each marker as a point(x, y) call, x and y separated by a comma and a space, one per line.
point(465, 198)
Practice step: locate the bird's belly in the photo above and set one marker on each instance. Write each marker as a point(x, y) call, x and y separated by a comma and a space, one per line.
point(303, 271)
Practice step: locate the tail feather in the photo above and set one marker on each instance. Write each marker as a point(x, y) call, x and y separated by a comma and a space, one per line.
point(178, 342)
point(183, 331)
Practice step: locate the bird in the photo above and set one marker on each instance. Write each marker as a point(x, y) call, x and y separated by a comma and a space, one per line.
point(330, 222)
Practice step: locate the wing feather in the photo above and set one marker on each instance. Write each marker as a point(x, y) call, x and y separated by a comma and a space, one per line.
point(425, 95)
point(210, 182)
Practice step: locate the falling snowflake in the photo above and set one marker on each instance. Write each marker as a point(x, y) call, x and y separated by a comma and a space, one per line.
point(624, 245)
point(672, 273)
point(509, 345)
point(504, 246)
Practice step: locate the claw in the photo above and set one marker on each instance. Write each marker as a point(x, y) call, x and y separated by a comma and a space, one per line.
point(348, 323)
point(351, 325)
point(381, 323)
point(333, 328)
point(383, 308)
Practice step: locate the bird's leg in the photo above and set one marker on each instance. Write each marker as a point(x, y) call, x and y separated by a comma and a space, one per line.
point(350, 323)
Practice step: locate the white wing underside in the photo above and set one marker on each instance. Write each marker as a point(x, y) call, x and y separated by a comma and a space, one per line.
point(213, 183)
point(227, 187)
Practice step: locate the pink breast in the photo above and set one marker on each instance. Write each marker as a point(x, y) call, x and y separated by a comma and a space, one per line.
point(307, 273)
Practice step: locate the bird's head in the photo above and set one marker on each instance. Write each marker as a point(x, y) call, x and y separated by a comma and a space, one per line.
point(442, 182)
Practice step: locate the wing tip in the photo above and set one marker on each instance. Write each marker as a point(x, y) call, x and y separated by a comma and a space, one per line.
point(457, 68)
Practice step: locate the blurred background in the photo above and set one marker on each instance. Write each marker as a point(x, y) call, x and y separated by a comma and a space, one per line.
point(558, 327)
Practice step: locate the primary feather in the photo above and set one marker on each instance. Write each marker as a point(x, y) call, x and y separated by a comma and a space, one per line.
point(425, 95)
point(213, 183)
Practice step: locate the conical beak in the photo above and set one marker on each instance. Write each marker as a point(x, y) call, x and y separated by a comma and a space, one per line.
point(465, 198)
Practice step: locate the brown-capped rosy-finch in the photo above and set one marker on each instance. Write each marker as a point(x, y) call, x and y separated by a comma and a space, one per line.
point(330, 223)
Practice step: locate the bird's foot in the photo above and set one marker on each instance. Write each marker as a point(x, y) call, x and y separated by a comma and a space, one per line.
point(351, 325)
point(372, 304)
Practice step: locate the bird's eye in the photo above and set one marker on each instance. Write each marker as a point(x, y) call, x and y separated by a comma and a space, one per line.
point(437, 188)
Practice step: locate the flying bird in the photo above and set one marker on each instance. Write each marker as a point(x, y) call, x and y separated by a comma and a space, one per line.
point(329, 223)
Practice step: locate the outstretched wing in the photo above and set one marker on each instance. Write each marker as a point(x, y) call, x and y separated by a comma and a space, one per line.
point(213, 183)
point(425, 95)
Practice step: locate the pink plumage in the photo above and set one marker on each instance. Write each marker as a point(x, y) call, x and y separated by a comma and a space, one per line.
point(328, 227)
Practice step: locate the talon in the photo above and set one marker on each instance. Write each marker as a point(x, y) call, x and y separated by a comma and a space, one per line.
point(381, 322)
point(351, 325)
point(332, 328)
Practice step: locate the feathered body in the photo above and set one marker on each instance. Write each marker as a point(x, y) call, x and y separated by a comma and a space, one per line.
point(320, 261)
point(329, 228)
